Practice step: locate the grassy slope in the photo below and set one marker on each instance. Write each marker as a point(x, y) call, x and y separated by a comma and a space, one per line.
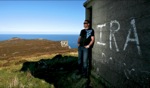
point(14, 53)
point(10, 76)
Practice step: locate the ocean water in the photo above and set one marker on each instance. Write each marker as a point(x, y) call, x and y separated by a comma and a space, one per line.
point(72, 39)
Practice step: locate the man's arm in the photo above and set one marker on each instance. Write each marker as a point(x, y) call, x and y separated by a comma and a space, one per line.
point(91, 42)
point(79, 40)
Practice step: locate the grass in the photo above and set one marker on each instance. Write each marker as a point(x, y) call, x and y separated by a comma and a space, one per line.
point(11, 77)
point(13, 53)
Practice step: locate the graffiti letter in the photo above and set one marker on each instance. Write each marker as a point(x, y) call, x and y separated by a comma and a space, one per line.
point(100, 41)
point(133, 39)
point(112, 32)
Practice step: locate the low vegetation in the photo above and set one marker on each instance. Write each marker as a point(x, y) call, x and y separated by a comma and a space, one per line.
point(13, 53)
point(16, 79)
point(12, 77)
point(39, 64)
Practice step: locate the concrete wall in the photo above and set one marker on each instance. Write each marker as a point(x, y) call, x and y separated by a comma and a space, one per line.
point(121, 53)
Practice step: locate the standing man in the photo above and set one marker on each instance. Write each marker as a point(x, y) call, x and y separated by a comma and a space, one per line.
point(85, 44)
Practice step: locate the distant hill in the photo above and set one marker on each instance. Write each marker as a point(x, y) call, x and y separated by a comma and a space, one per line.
point(21, 47)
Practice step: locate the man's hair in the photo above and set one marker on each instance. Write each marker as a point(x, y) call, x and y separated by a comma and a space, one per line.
point(88, 21)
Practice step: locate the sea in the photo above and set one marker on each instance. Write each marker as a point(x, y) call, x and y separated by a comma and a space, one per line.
point(71, 38)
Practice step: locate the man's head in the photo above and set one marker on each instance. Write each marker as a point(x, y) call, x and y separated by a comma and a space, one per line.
point(86, 24)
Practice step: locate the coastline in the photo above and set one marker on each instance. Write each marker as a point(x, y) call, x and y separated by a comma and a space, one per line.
point(71, 38)
point(18, 50)
point(15, 52)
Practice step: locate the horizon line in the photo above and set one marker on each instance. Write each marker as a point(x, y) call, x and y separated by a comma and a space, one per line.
point(39, 33)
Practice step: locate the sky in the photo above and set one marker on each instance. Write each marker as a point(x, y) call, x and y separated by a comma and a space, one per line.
point(41, 17)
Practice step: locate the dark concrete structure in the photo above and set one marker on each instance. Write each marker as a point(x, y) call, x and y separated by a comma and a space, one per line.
point(121, 53)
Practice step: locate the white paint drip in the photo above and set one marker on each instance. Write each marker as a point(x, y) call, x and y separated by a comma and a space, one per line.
point(112, 32)
point(110, 58)
point(103, 55)
point(101, 43)
point(129, 71)
point(126, 74)
point(97, 69)
point(133, 69)
point(132, 39)
point(101, 28)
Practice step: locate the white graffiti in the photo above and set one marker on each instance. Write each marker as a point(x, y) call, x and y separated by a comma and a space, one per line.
point(133, 39)
point(97, 69)
point(101, 28)
point(128, 72)
point(112, 35)
point(112, 32)
point(103, 55)
point(110, 58)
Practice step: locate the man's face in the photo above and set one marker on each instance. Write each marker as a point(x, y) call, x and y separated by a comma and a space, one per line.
point(86, 24)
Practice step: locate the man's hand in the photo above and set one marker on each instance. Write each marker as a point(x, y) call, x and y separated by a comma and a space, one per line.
point(78, 45)
point(87, 46)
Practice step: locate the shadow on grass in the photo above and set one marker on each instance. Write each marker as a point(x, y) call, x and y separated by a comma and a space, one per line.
point(60, 71)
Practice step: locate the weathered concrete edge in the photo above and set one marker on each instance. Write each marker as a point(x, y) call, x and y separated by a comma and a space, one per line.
point(85, 3)
point(101, 79)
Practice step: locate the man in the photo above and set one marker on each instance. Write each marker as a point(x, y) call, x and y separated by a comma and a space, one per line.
point(85, 44)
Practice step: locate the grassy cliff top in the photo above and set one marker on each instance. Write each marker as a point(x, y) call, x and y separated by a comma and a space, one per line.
point(18, 50)
point(36, 64)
